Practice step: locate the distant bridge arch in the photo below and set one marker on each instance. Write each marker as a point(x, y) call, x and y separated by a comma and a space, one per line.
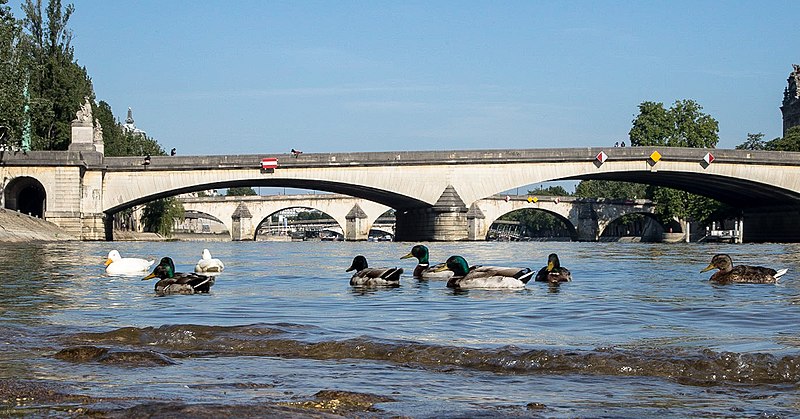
point(242, 215)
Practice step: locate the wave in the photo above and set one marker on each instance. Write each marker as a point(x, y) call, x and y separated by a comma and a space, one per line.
point(694, 367)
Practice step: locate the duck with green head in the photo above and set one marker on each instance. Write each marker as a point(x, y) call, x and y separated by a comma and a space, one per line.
point(366, 276)
point(499, 277)
point(728, 273)
point(172, 282)
point(553, 272)
point(423, 270)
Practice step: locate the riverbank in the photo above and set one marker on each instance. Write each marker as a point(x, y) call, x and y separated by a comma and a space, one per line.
point(18, 227)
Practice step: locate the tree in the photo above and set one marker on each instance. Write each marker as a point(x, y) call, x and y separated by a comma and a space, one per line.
point(789, 142)
point(241, 191)
point(682, 125)
point(160, 215)
point(12, 78)
point(753, 142)
point(58, 85)
point(610, 189)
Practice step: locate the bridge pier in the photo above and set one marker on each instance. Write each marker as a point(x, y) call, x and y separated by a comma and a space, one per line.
point(242, 227)
point(357, 226)
point(771, 224)
point(587, 227)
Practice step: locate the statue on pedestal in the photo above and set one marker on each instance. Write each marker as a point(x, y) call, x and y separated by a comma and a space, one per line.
point(84, 114)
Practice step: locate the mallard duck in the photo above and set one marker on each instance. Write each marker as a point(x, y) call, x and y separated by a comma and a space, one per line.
point(172, 282)
point(553, 272)
point(364, 275)
point(423, 270)
point(465, 276)
point(208, 264)
point(741, 273)
point(118, 265)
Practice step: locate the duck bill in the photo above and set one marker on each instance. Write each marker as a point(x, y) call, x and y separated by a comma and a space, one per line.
point(108, 262)
point(409, 255)
point(351, 268)
point(151, 276)
point(550, 266)
point(441, 269)
point(708, 268)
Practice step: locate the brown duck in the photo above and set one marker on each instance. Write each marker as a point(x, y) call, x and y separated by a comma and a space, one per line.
point(729, 274)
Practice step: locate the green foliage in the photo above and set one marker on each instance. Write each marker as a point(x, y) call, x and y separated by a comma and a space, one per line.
point(58, 85)
point(610, 189)
point(653, 126)
point(12, 78)
point(539, 223)
point(682, 125)
point(789, 142)
point(241, 191)
point(119, 142)
point(753, 142)
point(160, 215)
point(671, 203)
point(549, 191)
point(312, 215)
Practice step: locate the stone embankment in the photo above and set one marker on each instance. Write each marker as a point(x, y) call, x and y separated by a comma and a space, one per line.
point(18, 227)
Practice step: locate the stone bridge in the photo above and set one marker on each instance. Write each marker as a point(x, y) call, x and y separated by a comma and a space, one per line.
point(436, 194)
point(585, 218)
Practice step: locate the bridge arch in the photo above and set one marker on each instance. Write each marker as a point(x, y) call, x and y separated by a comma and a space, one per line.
point(243, 214)
point(26, 195)
point(652, 229)
point(259, 223)
point(568, 225)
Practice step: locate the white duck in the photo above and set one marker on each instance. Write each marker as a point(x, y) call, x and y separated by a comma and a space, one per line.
point(118, 265)
point(208, 264)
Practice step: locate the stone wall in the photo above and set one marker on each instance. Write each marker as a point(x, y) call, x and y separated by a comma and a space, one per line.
point(16, 227)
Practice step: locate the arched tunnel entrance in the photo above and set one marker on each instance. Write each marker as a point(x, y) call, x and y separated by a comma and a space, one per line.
point(26, 195)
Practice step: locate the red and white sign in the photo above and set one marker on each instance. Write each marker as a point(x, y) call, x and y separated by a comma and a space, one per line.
point(269, 163)
point(708, 158)
point(602, 157)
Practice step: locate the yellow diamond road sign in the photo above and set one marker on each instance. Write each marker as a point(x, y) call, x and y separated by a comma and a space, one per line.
point(655, 157)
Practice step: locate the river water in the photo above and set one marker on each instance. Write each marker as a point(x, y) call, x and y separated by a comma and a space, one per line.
point(638, 333)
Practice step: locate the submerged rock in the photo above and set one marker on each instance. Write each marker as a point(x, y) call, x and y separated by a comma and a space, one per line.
point(342, 402)
point(83, 354)
point(80, 354)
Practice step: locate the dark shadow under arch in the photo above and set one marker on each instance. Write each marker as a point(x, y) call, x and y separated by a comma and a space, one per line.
point(26, 195)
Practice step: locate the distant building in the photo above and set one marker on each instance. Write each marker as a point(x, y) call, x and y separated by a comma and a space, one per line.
point(791, 100)
point(130, 127)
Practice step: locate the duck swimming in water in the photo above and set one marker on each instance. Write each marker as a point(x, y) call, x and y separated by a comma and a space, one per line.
point(465, 276)
point(208, 264)
point(728, 273)
point(118, 265)
point(553, 272)
point(364, 275)
point(172, 282)
point(423, 270)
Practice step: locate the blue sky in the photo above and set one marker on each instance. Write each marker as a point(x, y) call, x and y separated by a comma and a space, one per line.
point(260, 77)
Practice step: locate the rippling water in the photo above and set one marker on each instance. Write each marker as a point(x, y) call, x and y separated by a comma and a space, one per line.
point(639, 331)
